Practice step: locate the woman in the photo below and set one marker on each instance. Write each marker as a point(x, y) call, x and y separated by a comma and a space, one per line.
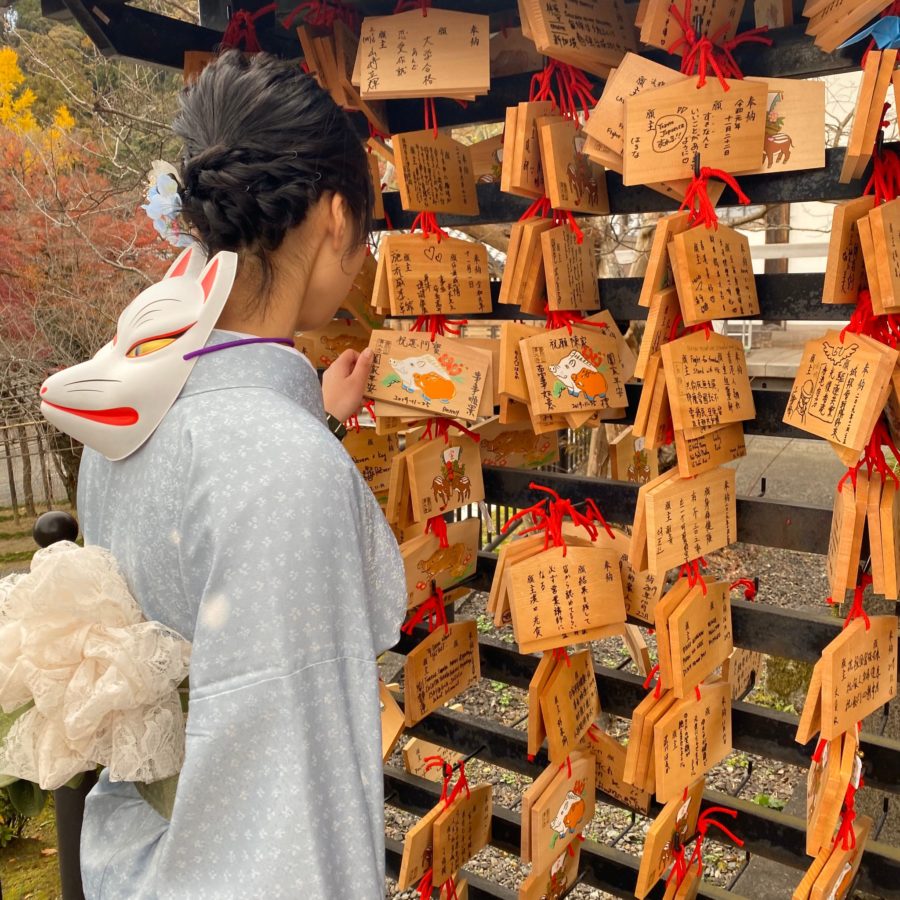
point(243, 524)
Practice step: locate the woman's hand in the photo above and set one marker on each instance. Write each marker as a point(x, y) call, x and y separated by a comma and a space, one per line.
point(344, 382)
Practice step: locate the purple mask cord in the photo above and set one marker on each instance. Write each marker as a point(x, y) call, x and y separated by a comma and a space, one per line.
point(227, 344)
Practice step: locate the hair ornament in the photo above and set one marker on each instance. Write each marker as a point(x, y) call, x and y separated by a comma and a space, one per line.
point(163, 204)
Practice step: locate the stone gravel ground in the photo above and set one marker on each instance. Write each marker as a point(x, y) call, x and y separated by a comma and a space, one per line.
point(787, 579)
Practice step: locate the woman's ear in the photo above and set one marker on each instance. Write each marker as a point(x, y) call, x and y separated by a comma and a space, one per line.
point(339, 222)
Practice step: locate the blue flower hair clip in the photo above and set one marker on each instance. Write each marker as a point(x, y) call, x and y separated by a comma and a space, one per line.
point(163, 204)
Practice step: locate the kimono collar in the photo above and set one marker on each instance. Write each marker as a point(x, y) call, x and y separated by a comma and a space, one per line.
point(256, 365)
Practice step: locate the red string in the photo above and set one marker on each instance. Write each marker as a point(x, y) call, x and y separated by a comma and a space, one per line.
point(241, 31)
point(703, 824)
point(696, 198)
point(566, 87)
point(856, 610)
point(846, 835)
point(369, 406)
point(565, 217)
point(548, 516)
point(323, 14)
point(565, 318)
point(657, 693)
point(425, 887)
point(691, 571)
point(568, 764)
point(437, 526)
point(352, 424)
point(406, 5)
point(679, 866)
point(442, 428)
point(560, 654)
point(748, 586)
point(539, 209)
point(431, 116)
point(427, 222)
point(433, 610)
point(702, 53)
point(438, 325)
point(820, 749)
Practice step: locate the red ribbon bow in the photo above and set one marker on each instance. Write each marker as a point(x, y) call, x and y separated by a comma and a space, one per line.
point(241, 30)
point(696, 198)
point(691, 571)
point(437, 526)
point(431, 610)
point(703, 824)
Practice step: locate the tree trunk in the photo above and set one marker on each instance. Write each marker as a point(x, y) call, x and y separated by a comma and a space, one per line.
point(45, 472)
point(27, 487)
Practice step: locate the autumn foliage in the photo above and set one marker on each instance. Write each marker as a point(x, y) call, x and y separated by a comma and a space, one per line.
point(75, 246)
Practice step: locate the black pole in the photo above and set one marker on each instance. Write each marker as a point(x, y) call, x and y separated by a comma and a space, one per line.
point(68, 803)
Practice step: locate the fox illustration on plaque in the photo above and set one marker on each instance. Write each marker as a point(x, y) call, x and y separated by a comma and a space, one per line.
point(577, 375)
point(425, 374)
point(570, 814)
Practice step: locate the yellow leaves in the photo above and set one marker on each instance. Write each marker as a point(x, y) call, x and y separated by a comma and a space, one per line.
point(15, 100)
point(63, 120)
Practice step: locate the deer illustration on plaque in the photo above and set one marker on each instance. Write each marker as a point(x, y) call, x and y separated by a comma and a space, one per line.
point(777, 146)
point(579, 376)
point(425, 374)
point(453, 478)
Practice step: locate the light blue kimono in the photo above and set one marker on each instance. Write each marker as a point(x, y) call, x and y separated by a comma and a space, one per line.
point(243, 524)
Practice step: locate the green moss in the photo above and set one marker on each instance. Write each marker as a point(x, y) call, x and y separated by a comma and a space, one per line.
point(27, 873)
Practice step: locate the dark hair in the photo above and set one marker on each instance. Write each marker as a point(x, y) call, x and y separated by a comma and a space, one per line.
point(262, 143)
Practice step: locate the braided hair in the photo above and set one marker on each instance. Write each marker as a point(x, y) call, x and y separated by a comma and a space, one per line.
point(262, 143)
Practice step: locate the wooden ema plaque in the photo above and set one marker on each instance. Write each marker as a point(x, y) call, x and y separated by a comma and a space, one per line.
point(692, 737)
point(415, 755)
point(840, 388)
point(707, 382)
point(427, 276)
point(802, 891)
point(589, 36)
point(523, 171)
point(443, 54)
point(435, 173)
point(554, 882)
point(642, 588)
point(530, 796)
point(795, 124)
point(569, 704)
point(443, 665)
point(889, 514)
point(516, 446)
point(666, 126)
point(358, 301)
point(714, 274)
point(689, 518)
point(700, 454)
point(678, 817)
point(839, 871)
point(575, 372)
point(444, 476)
point(660, 28)
point(570, 269)
point(826, 788)
point(659, 275)
point(418, 849)
point(461, 831)
point(609, 760)
point(686, 889)
point(561, 599)
point(630, 460)
point(524, 281)
point(572, 179)
point(633, 75)
point(510, 553)
point(885, 224)
point(664, 310)
point(563, 810)
point(873, 524)
point(372, 453)
point(392, 721)
point(324, 345)
point(645, 770)
point(844, 267)
point(444, 377)
point(845, 541)
point(859, 673)
point(537, 731)
point(741, 670)
point(426, 561)
point(671, 600)
point(811, 715)
point(700, 636)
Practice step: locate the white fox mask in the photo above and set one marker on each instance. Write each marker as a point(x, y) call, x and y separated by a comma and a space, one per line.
point(114, 401)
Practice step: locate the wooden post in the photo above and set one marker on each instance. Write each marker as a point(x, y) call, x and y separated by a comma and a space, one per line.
point(45, 472)
point(27, 486)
